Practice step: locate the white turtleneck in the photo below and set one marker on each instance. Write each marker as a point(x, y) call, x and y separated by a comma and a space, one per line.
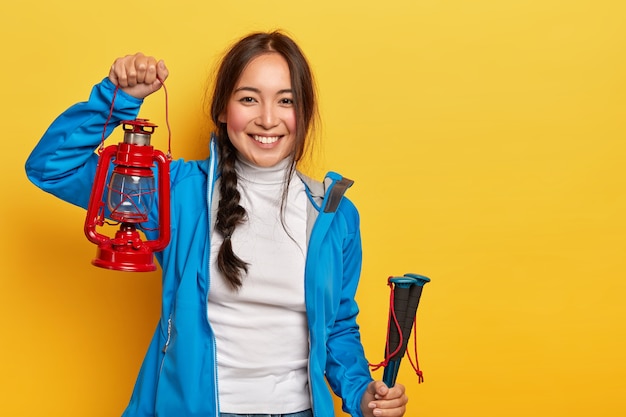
point(261, 330)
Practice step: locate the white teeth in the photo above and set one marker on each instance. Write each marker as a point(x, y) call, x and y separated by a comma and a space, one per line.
point(265, 139)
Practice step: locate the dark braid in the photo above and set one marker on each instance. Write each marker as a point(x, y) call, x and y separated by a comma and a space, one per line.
point(229, 215)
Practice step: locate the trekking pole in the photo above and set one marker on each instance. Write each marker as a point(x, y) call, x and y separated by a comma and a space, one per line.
point(406, 294)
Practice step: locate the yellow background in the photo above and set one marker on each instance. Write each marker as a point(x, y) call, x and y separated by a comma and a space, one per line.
point(487, 142)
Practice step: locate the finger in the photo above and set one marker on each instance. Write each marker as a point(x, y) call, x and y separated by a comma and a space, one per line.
point(388, 401)
point(388, 408)
point(162, 71)
point(155, 75)
point(395, 391)
point(391, 403)
point(116, 73)
point(119, 73)
point(132, 70)
point(151, 71)
point(145, 67)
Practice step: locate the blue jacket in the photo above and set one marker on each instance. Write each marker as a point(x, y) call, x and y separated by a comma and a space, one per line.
point(178, 377)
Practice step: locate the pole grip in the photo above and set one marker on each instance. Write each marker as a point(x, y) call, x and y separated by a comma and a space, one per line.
point(407, 292)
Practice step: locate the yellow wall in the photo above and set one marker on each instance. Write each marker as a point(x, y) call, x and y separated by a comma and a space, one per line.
point(487, 143)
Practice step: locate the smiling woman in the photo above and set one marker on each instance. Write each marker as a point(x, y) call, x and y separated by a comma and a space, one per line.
point(277, 253)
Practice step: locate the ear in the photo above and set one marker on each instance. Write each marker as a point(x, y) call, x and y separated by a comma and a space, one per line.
point(222, 117)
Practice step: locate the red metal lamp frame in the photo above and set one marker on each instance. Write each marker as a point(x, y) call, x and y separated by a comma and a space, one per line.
point(127, 251)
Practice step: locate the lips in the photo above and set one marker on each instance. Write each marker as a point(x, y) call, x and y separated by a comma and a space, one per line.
point(266, 140)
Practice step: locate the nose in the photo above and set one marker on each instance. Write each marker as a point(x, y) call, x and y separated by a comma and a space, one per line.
point(268, 117)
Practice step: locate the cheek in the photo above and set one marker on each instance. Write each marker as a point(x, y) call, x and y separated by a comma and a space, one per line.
point(236, 120)
point(290, 121)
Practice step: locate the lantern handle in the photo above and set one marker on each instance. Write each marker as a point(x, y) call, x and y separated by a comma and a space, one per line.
point(167, 120)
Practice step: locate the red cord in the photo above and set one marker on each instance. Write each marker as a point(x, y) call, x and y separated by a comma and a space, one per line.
point(416, 365)
point(106, 123)
point(167, 120)
point(392, 317)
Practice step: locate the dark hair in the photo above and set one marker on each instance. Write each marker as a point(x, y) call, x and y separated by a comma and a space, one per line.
point(230, 213)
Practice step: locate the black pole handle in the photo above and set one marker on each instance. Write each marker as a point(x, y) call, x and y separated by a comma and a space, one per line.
point(407, 292)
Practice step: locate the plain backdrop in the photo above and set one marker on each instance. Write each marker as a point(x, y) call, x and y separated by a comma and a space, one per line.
point(487, 143)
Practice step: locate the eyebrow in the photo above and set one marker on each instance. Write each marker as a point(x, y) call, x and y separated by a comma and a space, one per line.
point(256, 90)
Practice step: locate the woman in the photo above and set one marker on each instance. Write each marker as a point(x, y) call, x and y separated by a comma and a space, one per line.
point(259, 278)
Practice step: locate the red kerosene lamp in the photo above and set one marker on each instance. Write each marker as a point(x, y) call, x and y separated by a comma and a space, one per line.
point(130, 195)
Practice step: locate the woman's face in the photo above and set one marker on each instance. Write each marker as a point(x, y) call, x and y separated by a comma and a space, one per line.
point(260, 116)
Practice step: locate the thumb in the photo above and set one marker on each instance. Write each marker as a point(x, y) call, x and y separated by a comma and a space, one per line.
point(378, 389)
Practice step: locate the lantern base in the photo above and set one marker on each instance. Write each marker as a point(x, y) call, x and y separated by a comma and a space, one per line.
point(124, 260)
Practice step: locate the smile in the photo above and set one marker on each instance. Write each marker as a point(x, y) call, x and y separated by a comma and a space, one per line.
point(265, 139)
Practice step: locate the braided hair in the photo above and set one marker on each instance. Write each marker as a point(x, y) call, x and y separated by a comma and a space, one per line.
point(230, 213)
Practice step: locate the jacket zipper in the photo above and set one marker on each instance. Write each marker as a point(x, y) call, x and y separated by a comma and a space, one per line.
point(167, 342)
point(308, 371)
point(169, 334)
point(211, 180)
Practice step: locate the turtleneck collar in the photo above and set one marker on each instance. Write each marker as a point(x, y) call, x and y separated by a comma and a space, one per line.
point(247, 171)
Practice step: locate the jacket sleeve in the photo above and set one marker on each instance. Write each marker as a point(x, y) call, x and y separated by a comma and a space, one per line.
point(64, 163)
point(347, 368)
